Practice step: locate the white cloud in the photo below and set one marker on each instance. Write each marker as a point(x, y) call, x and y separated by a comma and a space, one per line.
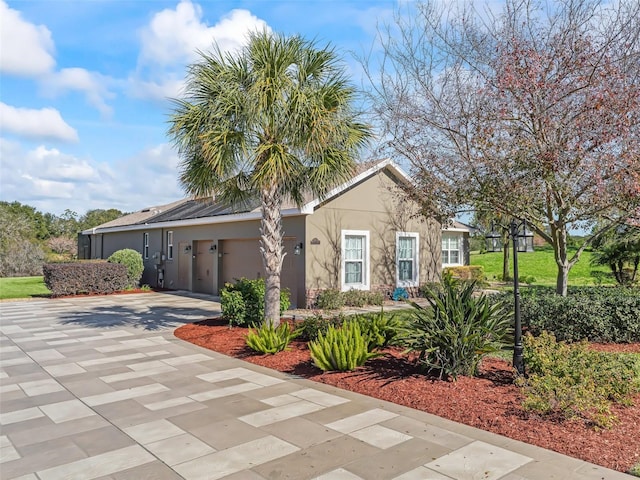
point(26, 48)
point(53, 181)
point(93, 85)
point(156, 90)
point(173, 36)
point(46, 123)
point(171, 40)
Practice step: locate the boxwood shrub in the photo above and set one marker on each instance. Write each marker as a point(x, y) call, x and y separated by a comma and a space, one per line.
point(133, 261)
point(598, 314)
point(84, 277)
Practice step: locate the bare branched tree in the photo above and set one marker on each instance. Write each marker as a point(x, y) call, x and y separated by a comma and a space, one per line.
point(532, 112)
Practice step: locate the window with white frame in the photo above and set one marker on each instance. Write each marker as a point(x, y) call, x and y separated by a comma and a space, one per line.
point(145, 245)
point(451, 249)
point(407, 259)
point(170, 245)
point(355, 260)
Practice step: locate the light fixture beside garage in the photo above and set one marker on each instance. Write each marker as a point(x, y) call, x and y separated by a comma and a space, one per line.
point(298, 248)
point(213, 248)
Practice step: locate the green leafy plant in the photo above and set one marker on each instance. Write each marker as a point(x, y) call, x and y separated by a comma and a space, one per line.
point(575, 382)
point(243, 302)
point(270, 339)
point(313, 325)
point(330, 299)
point(233, 307)
point(598, 314)
point(133, 261)
point(457, 330)
point(341, 349)
point(380, 329)
point(355, 298)
point(375, 298)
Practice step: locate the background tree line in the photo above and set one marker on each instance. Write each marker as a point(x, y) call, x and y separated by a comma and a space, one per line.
point(29, 238)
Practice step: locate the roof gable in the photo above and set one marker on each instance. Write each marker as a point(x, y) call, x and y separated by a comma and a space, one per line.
point(199, 212)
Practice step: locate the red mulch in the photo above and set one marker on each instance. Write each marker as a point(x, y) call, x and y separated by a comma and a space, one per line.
point(490, 401)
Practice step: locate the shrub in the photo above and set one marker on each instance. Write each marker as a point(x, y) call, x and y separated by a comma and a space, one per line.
point(248, 307)
point(312, 326)
point(133, 261)
point(341, 349)
point(574, 381)
point(233, 307)
point(355, 298)
point(467, 272)
point(270, 339)
point(380, 329)
point(84, 277)
point(452, 336)
point(375, 298)
point(598, 314)
point(330, 299)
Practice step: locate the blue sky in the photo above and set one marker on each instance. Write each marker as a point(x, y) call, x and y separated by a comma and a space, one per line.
point(84, 87)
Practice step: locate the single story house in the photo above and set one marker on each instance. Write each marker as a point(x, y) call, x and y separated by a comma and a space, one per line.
point(364, 235)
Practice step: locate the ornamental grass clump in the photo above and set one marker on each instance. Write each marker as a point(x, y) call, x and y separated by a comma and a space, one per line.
point(457, 329)
point(270, 339)
point(341, 349)
point(574, 382)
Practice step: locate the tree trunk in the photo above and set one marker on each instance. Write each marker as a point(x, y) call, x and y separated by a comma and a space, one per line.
point(562, 280)
point(272, 251)
point(560, 239)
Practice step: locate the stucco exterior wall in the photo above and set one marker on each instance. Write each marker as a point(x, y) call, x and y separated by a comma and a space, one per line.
point(163, 271)
point(374, 206)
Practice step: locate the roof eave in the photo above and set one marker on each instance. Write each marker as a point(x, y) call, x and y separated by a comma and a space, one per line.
point(236, 217)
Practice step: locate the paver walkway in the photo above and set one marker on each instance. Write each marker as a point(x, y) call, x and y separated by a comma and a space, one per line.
point(99, 388)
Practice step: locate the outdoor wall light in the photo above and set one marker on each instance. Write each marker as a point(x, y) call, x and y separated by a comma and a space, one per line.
point(187, 248)
point(522, 242)
point(213, 248)
point(298, 248)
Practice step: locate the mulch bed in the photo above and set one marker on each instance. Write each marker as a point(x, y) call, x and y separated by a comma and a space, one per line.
point(490, 401)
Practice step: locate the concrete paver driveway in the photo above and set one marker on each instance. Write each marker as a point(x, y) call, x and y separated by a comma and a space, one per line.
point(99, 388)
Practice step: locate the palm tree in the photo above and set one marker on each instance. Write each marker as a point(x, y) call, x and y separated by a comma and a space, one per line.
point(272, 122)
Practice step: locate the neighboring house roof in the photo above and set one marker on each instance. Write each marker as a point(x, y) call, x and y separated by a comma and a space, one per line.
point(187, 212)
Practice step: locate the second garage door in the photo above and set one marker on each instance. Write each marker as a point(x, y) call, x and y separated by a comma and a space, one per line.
point(241, 258)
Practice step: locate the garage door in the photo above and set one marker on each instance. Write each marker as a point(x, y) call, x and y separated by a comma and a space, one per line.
point(241, 258)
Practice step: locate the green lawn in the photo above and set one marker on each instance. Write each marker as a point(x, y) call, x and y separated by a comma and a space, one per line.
point(22, 287)
point(542, 266)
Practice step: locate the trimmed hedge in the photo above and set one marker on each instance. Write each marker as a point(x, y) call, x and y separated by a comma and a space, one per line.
point(597, 314)
point(84, 277)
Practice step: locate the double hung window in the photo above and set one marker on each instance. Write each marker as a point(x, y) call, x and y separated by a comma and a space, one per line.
point(355, 260)
point(451, 249)
point(407, 259)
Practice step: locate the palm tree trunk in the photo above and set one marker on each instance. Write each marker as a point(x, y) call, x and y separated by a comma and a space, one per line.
point(272, 251)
